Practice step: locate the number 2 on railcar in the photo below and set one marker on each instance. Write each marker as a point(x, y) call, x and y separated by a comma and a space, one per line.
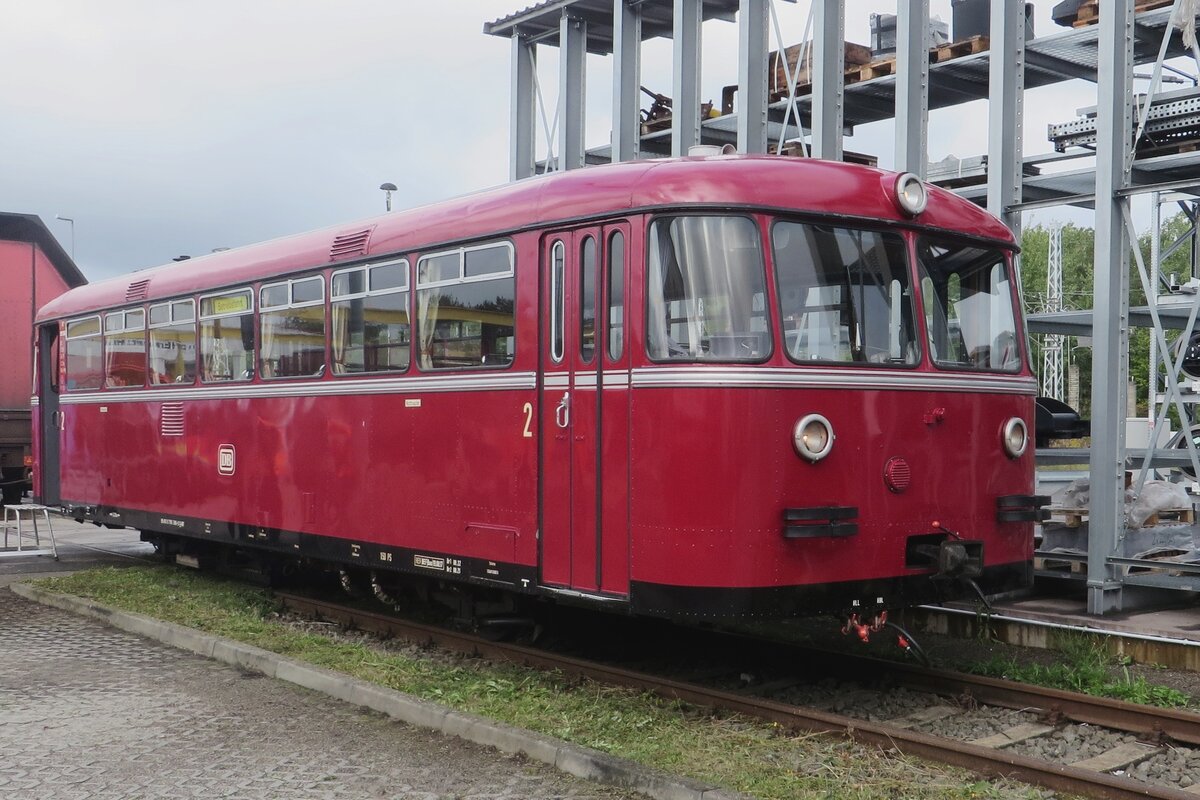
point(701, 387)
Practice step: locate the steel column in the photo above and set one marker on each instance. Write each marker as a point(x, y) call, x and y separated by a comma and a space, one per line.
point(1110, 339)
point(572, 47)
point(912, 85)
point(1006, 84)
point(521, 156)
point(685, 95)
point(627, 52)
point(752, 76)
point(829, 62)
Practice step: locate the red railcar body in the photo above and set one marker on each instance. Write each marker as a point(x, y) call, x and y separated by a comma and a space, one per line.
point(490, 390)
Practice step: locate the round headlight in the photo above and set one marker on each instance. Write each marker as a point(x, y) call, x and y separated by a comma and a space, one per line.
point(813, 437)
point(911, 195)
point(1015, 437)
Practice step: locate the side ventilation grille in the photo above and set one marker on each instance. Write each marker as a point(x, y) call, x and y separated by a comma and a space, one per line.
point(137, 290)
point(171, 422)
point(348, 245)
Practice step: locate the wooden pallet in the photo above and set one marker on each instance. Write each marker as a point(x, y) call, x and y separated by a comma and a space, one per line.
point(1070, 517)
point(963, 47)
point(1171, 515)
point(1089, 11)
point(1074, 517)
point(1049, 564)
point(937, 55)
point(1165, 556)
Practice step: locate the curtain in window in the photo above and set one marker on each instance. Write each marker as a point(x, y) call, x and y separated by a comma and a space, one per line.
point(340, 313)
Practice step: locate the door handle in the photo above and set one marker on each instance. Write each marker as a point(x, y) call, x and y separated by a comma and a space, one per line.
point(58, 420)
point(562, 414)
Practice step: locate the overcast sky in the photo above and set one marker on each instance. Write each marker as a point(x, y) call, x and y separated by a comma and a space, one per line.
point(168, 128)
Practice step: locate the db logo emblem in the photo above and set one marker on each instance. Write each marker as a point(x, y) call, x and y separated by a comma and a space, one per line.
point(226, 459)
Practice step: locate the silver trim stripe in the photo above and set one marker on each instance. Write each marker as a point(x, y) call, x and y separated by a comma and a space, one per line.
point(35, 401)
point(646, 377)
point(773, 378)
point(421, 385)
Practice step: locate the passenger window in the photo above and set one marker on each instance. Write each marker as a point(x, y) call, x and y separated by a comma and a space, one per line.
point(465, 308)
point(125, 349)
point(173, 343)
point(292, 328)
point(587, 300)
point(369, 308)
point(616, 296)
point(85, 370)
point(227, 336)
point(557, 300)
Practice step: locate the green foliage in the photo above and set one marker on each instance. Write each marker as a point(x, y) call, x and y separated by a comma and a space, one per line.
point(742, 754)
point(1078, 251)
point(1085, 666)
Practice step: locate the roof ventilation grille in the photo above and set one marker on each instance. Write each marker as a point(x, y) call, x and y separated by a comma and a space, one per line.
point(137, 290)
point(348, 245)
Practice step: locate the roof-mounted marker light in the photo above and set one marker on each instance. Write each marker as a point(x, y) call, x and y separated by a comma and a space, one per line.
point(911, 194)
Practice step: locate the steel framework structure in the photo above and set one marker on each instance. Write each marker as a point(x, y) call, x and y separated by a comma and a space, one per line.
point(1103, 53)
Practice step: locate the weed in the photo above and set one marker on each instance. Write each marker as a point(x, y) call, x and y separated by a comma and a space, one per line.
point(1085, 667)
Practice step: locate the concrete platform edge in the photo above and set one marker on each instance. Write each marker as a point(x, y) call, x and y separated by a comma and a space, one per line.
point(582, 762)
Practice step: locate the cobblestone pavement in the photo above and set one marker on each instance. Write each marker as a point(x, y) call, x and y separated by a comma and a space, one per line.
point(89, 712)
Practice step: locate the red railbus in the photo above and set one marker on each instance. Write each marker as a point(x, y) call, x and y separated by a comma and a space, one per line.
point(703, 387)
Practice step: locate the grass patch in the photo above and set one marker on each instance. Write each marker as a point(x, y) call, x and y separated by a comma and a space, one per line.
point(734, 752)
point(1086, 667)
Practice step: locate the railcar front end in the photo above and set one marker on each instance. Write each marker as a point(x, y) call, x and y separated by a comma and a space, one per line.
point(834, 416)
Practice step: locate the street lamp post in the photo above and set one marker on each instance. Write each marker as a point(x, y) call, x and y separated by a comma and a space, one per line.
point(68, 219)
point(388, 188)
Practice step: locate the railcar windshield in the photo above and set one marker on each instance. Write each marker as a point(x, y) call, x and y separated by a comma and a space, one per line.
point(706, 296)
point(845, 295)
point(967, 294)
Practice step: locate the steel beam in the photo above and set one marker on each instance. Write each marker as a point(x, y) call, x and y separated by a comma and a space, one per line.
point(912, 85)
point(572, 46)
point(521, 141)
point(829, 61)
point(752, 76)
point(1110, 338)
point(1006, 79)
point(627, 67)
point(685, 94)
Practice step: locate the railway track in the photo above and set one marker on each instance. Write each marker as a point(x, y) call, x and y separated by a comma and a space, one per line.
point(1148, 732)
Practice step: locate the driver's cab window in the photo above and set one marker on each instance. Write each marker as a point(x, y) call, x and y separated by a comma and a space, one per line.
point(969, 313)
point(706, 298)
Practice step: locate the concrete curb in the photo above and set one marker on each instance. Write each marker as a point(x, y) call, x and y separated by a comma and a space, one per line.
point(582, 762)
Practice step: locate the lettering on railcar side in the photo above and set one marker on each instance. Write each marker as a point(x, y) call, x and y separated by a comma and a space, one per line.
point(174, 523)
point(430, 562)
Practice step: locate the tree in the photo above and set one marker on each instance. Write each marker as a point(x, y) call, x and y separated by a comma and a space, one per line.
point(1078, 275)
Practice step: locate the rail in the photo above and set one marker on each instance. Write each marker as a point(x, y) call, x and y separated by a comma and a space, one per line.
point(1144, 721)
